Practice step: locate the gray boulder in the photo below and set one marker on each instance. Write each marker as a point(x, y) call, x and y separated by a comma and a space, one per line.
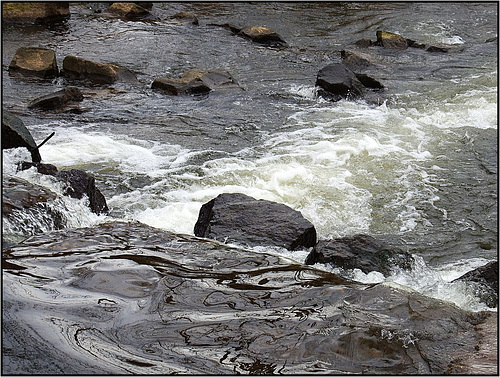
point(360, 251)
point(241, 219)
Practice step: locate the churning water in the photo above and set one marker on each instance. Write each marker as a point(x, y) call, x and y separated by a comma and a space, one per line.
point(418, 169)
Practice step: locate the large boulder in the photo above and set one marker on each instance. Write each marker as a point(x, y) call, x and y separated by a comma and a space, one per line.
point(16, 135)
point(57, 100)
point(241, 219)
point(360, 251)
point(339, 82)
point(262, 35)
point(98, 73)
point(30, 13)
point(34, 61)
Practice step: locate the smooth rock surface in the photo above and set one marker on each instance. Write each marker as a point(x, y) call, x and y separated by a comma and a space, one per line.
point(128, 298)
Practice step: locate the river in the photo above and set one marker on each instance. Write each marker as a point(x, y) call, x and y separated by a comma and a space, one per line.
point(418, 169)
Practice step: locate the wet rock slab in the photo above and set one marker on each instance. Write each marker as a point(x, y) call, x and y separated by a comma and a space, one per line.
point(128, 298)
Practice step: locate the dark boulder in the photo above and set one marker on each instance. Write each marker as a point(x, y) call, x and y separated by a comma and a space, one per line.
point(485, 281)
point(80, 183)
point(262, 35)
point(16, 135)
point(195, 82)
point(339, 82)
point(34, 61)
point(181, 86)
point(360, 251)
point(238, 218)
point(98, 73)
point(58, 99)
point(364, 66)
point(34, 13)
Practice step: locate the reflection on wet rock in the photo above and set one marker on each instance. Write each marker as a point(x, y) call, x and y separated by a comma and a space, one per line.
point(128, 298)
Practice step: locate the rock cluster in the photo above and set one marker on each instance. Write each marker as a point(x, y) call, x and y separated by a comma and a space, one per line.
point(78, 183)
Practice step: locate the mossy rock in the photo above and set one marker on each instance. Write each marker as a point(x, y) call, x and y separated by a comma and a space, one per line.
point(34, 61)
point(390, 40)
point(22, 13)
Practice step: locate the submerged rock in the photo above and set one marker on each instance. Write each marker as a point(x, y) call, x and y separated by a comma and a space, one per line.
point(241, 219)
point(28, 209)
point(127, 297)
point(58, 99)
point(34, 61)
point(16, 135)
point(360, 251)
point(19, 194)
point(181, 86)
point(99, 73)
point(34, 13)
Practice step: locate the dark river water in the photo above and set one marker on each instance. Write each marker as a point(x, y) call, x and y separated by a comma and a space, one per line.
point(418, 169)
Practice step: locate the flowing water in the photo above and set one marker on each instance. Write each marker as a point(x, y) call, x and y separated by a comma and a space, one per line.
point(418, 169)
